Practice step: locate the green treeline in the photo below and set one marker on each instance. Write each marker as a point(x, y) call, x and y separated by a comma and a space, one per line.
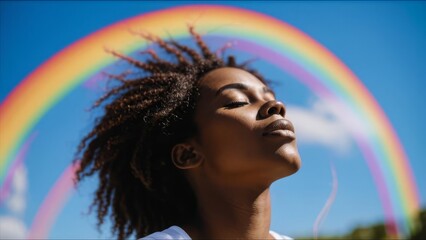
point(378, 231)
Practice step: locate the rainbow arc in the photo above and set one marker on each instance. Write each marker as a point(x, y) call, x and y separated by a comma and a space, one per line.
point(279, 43)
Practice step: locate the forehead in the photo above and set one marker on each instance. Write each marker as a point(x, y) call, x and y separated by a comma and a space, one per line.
point(218, 78)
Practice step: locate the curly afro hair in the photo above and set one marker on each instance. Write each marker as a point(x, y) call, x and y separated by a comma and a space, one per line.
point(129, 146)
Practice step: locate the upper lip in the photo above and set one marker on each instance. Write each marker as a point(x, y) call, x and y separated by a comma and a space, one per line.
point(280, 124)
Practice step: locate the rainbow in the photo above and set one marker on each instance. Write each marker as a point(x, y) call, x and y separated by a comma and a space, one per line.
point(279, 43)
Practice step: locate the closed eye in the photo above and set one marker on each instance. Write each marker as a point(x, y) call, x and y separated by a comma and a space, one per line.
point(235, 104)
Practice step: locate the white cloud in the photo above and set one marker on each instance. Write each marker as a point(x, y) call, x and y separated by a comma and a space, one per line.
point(11, 225)
point(19, 183)
point(16, 202)
point(326, 122)
point(12, 228)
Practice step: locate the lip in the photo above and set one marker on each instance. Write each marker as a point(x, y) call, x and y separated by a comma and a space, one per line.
point(280, 127)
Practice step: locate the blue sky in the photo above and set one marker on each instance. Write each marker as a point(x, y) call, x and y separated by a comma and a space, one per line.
point(381, 42)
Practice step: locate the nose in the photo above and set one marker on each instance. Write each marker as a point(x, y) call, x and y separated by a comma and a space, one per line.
point(272, 107)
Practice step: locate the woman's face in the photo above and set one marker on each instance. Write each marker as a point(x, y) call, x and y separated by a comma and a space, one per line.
point(243, 134)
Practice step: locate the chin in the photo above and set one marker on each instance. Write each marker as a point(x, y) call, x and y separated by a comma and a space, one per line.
point(290, 160)
point(295, 163)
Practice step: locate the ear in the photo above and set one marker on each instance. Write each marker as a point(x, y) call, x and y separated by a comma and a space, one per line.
point(184, 156)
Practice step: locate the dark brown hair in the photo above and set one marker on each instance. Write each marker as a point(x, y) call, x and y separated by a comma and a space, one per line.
point(130, 144)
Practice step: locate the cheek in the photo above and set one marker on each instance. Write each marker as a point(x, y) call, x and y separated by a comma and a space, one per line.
point(229, 139)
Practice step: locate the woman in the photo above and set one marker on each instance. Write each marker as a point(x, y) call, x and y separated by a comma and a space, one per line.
point(192, 144)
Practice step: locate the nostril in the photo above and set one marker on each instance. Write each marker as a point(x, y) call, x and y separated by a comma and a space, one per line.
point(272, 111)
point(276, 110)
point(271, 108)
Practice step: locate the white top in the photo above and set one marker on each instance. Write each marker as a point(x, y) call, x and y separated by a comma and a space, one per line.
point(177, 233)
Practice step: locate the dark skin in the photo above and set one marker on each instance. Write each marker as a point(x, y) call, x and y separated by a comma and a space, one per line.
point(235, 158)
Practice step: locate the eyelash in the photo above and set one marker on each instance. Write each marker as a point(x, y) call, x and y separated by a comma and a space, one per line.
point(235, 104)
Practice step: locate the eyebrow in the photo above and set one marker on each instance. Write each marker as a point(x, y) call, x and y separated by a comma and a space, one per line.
point(241, 86)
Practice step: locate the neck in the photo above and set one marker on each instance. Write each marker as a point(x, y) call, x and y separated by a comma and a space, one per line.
point(233, 213)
